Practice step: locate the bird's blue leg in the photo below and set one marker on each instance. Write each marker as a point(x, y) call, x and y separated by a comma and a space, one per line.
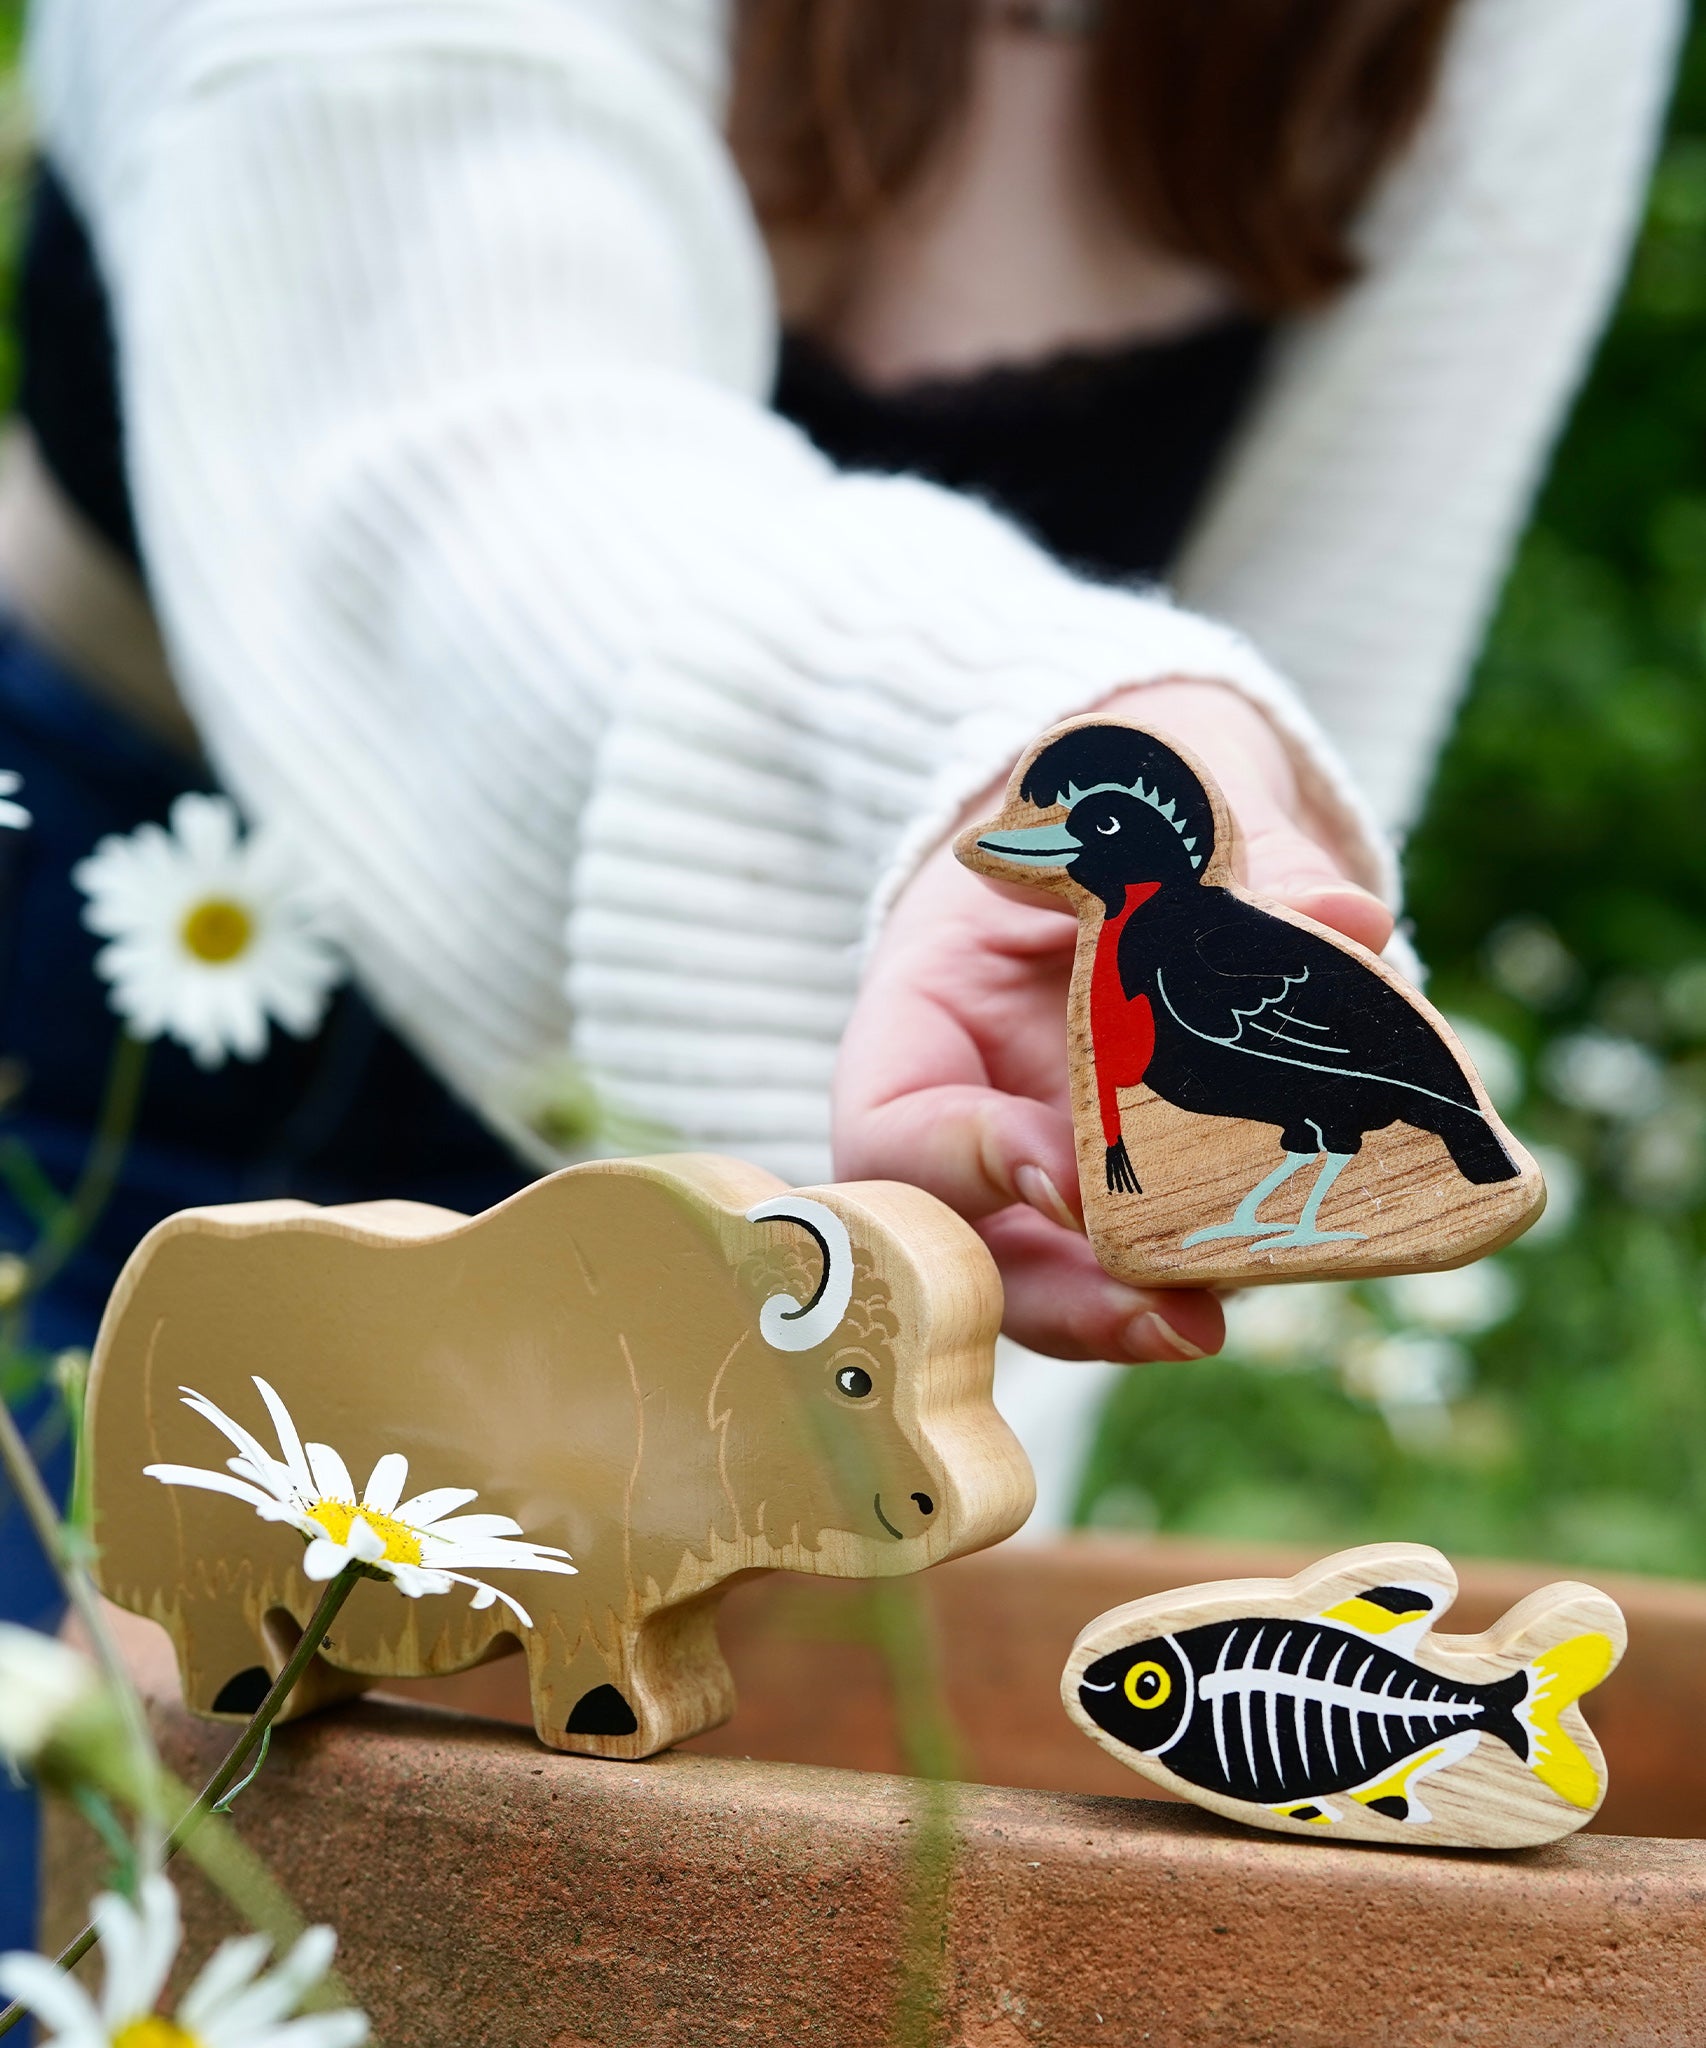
point(1307, 1231)
point(1244, 1222)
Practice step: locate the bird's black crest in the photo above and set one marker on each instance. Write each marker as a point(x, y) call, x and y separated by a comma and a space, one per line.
point(1092, 754)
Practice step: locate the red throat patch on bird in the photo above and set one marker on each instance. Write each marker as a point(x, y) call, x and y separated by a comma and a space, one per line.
point(1122, 1027)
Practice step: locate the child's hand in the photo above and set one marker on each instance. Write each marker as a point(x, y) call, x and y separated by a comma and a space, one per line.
point(953, 1067)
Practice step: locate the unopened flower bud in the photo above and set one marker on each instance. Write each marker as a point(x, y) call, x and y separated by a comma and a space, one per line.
point(48, 1693)
point(14, 1279)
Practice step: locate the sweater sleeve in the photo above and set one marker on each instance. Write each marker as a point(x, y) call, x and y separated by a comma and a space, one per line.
point(606, 710)
point(1366, 517)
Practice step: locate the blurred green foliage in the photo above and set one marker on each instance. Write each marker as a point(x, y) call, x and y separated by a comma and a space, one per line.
point(14, 163)
point(1558, 883)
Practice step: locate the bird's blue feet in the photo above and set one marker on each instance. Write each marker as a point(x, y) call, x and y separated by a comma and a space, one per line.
point(1308, 1232)
point(1244, 1220)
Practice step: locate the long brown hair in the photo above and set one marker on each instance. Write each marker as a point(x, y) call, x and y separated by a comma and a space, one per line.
point(1244, 134)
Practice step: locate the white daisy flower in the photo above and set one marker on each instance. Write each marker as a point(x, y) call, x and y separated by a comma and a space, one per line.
point(230, 2005)
point(422, 1545)
point(211, 934)
point(11, 814)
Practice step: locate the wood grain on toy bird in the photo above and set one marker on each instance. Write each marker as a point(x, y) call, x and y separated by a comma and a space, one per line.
point(675, 1370)
point(1325, 1704)
point(1225, 1050)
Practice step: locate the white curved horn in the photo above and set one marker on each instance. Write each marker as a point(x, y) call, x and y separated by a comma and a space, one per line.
point(790, 1325)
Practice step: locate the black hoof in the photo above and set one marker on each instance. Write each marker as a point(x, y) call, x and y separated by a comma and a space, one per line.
point(1394, 1806)
point(603, 1711)
point(244, 1693)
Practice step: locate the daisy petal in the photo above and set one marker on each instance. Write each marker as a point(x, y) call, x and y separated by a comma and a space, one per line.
point(460, 1527)
point(277, 1995)
point(216, 1482)
point(289, 1443)
point(231, 1966)
point(324, 1559)
point(331, 1474)
point(206, 825)
point(210, 1411)
point(414, 1580)
point(276, 1511)
point(124, 1992)
point(497, 1555)
point(385, 1487)
point(275, 1476)
point(425, 1508)
point(254, 2009)
point(52, 1995)
point(162, 1930)
point(496, 1593)
point(364, 1541)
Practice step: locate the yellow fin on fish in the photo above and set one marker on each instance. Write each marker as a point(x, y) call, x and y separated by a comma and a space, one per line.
point(1381, 1610)
point(1557, 1679)
point(1394, 1796)
point(1317, 1812)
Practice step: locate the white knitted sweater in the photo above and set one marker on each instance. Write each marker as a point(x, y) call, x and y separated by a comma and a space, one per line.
point(608, 710)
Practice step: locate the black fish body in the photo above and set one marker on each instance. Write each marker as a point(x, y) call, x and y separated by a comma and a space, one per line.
point(1277, 1711)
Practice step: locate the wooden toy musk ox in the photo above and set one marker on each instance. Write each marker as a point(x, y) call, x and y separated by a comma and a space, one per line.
point(675, 1370)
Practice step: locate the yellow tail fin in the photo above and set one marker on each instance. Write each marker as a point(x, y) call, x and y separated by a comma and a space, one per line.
point(1557, 1679)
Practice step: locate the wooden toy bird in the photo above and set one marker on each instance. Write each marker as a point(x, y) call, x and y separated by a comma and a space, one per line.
point(1210, 1029)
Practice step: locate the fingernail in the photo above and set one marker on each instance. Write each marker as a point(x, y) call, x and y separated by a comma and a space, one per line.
point(1035, 1187)
point(1150, 1333)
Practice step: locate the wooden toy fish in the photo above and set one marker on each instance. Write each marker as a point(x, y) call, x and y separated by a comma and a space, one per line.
point(1325, 1705)
point(1255, 1096)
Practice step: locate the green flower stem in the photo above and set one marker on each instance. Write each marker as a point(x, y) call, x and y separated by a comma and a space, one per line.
point(902, 1625)
point(336, 1593)
point(222, 1867)
point(29, 1187)
point(95, 1183)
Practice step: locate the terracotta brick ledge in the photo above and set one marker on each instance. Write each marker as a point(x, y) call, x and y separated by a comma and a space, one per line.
point(491, 1893)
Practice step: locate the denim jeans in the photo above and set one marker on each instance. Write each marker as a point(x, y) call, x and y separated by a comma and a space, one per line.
point(348, 1115)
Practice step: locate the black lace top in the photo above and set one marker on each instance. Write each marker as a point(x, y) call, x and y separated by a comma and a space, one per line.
point(1102, 455)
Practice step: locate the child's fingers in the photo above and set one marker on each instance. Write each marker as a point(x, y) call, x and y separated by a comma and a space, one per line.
point(973, 1148)
point(1286, 864)
point(1059, 1301)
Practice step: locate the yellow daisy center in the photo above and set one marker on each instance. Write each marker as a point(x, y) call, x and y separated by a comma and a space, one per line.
point(402, 1544)
point(154, 2033)
point(217, 930)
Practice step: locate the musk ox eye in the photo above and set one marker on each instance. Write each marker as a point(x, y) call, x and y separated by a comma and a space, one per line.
point(1147, 1685)
point(1113, 825)
point(854, 1381)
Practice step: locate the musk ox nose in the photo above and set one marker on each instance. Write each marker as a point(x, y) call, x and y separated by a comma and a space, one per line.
point(926, 1506)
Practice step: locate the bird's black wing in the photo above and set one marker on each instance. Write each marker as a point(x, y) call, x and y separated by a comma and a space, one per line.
point(1256, 984)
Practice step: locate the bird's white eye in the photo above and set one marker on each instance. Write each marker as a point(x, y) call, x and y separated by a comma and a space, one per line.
point(1113, 825)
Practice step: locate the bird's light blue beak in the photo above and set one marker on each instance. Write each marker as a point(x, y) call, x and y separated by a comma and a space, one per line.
point(1034, 846)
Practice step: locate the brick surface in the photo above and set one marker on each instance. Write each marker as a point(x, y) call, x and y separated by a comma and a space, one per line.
point(489, 1892)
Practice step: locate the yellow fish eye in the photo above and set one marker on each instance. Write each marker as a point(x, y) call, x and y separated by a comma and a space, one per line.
point(1147, 1685)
